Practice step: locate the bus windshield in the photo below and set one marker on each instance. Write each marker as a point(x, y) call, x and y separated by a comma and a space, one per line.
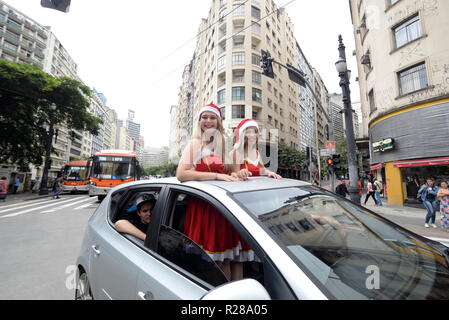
point(110, 170)
point(75, 173)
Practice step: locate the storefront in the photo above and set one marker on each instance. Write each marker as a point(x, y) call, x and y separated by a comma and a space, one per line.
point(408, 146)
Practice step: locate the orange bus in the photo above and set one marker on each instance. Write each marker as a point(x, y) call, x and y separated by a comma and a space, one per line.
point(109, 168)
point(75, 176)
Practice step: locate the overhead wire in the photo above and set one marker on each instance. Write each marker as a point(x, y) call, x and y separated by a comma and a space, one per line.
point(226, 39)
point(199, 33)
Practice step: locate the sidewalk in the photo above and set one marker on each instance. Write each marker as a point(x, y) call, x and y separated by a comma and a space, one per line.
point(25, 196)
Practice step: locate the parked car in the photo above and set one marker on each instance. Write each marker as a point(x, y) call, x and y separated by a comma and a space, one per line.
point(309, 244)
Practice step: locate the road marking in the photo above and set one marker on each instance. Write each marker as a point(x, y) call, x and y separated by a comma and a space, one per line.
point(23, 205)
point(84, 205)
point(69, 204)
point(53, 203)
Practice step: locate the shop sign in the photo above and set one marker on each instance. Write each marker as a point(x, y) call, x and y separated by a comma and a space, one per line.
point(383, 145)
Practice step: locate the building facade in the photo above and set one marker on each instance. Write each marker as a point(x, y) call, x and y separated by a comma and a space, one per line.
point(403, 61)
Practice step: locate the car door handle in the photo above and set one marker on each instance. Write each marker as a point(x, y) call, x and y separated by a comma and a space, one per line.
point(95, 250)
point(145, 295)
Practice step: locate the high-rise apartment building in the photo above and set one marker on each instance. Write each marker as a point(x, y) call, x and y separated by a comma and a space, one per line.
point(227, 72)
point(403, 63)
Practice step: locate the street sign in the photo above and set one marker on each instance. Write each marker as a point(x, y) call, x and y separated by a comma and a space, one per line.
point(330, 146)
point(325, 152)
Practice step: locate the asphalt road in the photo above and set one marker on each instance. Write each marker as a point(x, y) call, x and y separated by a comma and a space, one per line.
point(39, 243)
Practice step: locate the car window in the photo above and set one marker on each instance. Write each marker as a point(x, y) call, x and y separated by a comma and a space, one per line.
point(125, 207)
point(177, 247)
point(352, 252)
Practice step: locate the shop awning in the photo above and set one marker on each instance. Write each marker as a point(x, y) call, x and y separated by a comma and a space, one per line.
point(376, 166)
point(422, 162)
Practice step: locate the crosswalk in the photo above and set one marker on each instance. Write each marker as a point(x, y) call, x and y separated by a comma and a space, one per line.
point(48, 205)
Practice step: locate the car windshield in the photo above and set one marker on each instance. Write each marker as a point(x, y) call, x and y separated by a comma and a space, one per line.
point(113, 170)
point(354, 253)
point(75, 173)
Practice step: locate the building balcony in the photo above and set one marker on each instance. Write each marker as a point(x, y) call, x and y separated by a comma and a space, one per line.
point(14, 27)
point(13, 38)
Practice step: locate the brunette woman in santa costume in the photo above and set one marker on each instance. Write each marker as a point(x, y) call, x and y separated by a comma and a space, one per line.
point(203, 159)
point(246, 158)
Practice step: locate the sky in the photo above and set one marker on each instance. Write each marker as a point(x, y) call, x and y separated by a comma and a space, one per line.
point(134, 51)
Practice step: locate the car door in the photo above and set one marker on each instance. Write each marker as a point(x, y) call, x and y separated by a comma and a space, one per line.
point(115, 258)
point(171, 271)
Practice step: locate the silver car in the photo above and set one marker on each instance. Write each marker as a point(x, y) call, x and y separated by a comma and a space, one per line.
point(309, 244)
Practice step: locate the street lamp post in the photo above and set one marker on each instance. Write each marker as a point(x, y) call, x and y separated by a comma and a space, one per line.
point(344, 74)
point(44, 181)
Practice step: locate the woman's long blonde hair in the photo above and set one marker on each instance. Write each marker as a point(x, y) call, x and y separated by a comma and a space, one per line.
point(214, 139)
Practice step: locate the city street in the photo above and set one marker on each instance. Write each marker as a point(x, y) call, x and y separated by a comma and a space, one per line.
point(40, 240)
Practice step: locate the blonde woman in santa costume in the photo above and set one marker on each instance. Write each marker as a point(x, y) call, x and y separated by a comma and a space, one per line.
point(203, 159)
point(246, 158)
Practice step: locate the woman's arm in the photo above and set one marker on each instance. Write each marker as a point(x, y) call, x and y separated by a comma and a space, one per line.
point(442, 192)
point(125, 226)
point(186, 165)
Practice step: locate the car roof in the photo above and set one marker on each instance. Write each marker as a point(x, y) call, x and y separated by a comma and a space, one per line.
point(252, 184)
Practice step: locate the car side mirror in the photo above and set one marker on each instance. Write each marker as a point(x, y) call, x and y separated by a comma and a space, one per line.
point(247, 289)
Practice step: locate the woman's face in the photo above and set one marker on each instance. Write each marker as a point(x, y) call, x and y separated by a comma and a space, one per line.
point(208, 120)
point(444, 185)
point(251, 135)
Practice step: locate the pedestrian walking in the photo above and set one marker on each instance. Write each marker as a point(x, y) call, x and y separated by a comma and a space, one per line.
point(370, 193)
point(57, 187)
point(341, 189)
point(428, 194)
point(378, 187)
point(37, 185)
point(443, 195)
point(16, 184)
point(3, 189)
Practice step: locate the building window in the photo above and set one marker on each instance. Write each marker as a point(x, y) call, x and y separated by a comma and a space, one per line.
point(238, 58)
point(239, 42)
point(392, 2)
point(255, 60)
point(257, 77)
point(257, 95)
point(221, 96)
point(255, 12)
point(255, 28)
point(238, 112)
point(407, 31)
point(412, 79)
point(221, 63)
point(223, 112)
point(238, 10)
point(238, 93)
point(372, 103)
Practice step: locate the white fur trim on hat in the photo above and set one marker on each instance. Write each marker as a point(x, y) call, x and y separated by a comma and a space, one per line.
point(211, 109)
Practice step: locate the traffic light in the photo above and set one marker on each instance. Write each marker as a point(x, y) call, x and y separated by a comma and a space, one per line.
point(330, 164)
point(336, 161)
point(60, 5)
point(267, 64)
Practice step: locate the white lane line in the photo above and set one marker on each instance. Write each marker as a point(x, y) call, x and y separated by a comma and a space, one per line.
point(37, 208)
point(69, 204)
point(85, 205)
point(20, 206)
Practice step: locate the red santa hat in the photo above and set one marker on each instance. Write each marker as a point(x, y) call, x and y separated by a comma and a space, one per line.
point(244, 124)
point(212, 108)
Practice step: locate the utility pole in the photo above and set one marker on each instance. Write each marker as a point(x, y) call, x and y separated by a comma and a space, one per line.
point(343, 73)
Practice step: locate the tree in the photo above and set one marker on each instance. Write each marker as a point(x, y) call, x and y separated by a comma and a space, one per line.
point(289, 157)
point(166, 170)
point(26, 96)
